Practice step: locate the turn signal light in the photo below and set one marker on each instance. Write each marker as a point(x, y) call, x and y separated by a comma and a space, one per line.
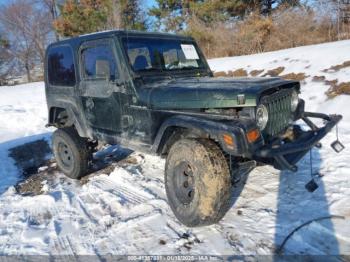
point(228, 139)
point(253, 135)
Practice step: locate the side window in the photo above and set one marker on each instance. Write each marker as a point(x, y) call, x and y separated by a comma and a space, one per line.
point(61, 71)
point(98, 62)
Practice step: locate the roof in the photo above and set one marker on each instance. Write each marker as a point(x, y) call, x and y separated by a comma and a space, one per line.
point(102, 34)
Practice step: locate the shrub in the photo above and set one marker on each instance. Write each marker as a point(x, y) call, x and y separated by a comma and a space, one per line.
point(285, 28)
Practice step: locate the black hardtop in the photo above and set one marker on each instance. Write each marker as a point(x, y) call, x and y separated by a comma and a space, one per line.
point(74, 41)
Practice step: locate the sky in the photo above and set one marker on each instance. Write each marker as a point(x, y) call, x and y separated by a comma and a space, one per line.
point(148, 3)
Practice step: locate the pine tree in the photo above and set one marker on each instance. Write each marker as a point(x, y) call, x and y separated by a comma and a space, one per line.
point(82, 16)
point(131, 16)
point(174, 15)
point(222, 10)
point(171, 15)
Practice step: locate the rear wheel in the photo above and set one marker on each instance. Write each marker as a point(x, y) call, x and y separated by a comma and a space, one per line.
point(197, 182)
point(71, 151)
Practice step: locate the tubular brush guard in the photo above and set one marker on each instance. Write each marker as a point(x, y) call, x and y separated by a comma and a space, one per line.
point(286, 155)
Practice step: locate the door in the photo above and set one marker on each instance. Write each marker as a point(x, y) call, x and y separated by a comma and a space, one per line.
point(100, 87)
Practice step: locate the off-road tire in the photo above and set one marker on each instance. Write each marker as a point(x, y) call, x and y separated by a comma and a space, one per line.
point(71, 151)
point(209, 175)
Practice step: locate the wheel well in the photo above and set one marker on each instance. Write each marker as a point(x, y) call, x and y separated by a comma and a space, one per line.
point(173, 134)
point(58, 117)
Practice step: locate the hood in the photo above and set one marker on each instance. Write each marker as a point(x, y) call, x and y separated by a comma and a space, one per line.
point(207, 92)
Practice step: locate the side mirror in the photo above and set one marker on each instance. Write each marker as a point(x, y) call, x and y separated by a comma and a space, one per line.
point(102, 69)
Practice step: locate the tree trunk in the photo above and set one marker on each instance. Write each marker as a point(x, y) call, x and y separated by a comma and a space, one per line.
point(26, 66)
point(266, 7)
point(53, 11)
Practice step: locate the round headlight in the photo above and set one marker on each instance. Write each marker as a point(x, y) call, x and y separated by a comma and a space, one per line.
point(262, 116)
point(294, 101)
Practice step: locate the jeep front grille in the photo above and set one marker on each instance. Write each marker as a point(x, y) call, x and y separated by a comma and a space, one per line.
point(279, 108)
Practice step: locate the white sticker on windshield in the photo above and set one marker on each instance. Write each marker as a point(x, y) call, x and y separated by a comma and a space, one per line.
point(190, 52)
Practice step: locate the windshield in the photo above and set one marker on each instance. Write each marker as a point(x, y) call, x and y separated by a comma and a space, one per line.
point(149, 54)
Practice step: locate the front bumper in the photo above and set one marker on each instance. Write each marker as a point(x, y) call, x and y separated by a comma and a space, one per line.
point(284, 155)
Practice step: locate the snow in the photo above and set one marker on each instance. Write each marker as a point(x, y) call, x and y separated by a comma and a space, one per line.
point(23, 111)
point(125, 211)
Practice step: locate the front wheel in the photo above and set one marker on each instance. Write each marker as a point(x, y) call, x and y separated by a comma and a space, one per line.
point(71, 152)
point(197, 182)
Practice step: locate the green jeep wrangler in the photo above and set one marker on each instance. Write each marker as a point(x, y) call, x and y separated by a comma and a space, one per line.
point(155, 93)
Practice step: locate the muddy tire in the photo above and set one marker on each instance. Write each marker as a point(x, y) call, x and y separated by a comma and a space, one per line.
point(71, 152)
point(197, 182)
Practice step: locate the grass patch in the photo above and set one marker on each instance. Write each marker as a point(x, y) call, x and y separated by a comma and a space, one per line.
point(319, 79)
point(338, 89)
point(336, 68)
point(220, 74)
point(275, 72)
point(239, 73)
point(332, 83)
point(294, 76)
point(256, 72)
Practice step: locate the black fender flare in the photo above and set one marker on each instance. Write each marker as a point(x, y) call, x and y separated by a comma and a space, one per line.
point(204, 127)
point(75, 117)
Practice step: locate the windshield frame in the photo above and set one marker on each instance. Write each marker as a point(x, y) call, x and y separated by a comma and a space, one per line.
point(205, 69)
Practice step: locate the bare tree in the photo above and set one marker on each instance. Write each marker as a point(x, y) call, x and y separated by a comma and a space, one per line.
point(115, 20)
point(29, 27)
point(51, 6)
point(6, 61)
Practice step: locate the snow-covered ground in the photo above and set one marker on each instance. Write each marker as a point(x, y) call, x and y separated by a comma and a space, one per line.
point(123, 209)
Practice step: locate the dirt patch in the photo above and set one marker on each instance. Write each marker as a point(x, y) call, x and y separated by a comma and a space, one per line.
point(220, 74)
point(239, 73)
point(34, 184)
point(338, 67)
point(103, 171)
point(256, 72)
point(338, 89)
point(131, 160)
point(319, 79)
point(30, 156)
point(275, 72)
point(162, 242)
point(294, 76)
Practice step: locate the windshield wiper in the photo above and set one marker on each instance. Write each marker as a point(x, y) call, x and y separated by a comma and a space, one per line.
point(149, 69)
point(189, 67)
